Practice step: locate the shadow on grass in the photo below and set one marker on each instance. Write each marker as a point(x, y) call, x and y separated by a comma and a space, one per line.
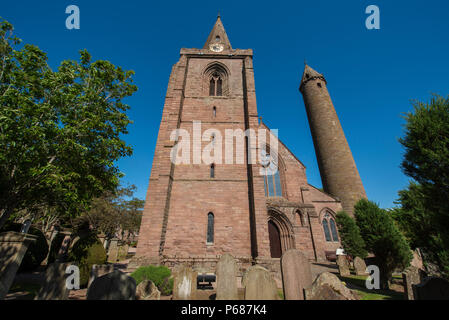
point(358, 283)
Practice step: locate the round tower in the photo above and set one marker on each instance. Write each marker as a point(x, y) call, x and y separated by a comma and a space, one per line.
point(338, 171)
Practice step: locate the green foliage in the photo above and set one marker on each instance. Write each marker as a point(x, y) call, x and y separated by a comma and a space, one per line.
point(159, 275)
point(350, 237)
point(424, 212)
point(60, 130)
point(36, 252)
point(383, 238)
point(86, 252)
point(113, 214)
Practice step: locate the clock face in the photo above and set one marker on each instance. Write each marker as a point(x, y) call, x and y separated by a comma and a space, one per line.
point(216, 47)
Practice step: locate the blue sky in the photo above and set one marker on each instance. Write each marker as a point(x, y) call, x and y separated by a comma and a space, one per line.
point(372, 74)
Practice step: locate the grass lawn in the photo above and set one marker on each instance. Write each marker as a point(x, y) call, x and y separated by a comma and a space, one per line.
point(358, 284)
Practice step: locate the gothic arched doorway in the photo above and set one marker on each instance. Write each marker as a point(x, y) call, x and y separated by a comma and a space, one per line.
point(275, 240)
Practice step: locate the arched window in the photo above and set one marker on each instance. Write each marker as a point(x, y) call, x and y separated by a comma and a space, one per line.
point(329, 227)
point(212, 170)
point(302, 218)
point(216, 80)
point(210, 228)
point(214, 111)
point(333, 230)
point(272, 178)
point(327, 234)
point(216, 85)
point(212, 87)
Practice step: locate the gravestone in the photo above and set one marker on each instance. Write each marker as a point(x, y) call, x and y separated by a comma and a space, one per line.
point(112, 286)
point(296, 274)
point(113, 251)
point(327, 286)
point(259, 284)
point(122, 252)
point(226, 272)
point(417, 260)
point(184, 287)
point(13, 246)
point(343, 266)
point(147, 290)
point(359, 266)
point(54, 284)
point(99, 270)
point(410, 277)
point(432, 289)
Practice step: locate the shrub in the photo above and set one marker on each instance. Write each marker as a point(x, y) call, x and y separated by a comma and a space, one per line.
point(159, 275)
point(86, 252)
point(351, 239)
point(382, 238)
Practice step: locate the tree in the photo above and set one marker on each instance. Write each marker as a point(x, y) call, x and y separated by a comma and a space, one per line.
point(350, 236)
point(60, 131)
point(114, 214)
point(382, 238)
point(424, 211)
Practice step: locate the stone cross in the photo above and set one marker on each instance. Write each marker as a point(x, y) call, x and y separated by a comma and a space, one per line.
point(184, 287)
point(259, 284)
point(296, 274)
point(226, 272)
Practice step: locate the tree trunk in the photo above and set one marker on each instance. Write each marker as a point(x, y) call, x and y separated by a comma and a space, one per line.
point(6, 214)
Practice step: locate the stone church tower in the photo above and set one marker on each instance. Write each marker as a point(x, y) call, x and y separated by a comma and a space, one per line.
point(339, 173)
point(197, 211)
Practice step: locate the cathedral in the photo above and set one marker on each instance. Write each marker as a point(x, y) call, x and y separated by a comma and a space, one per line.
point(195, 212)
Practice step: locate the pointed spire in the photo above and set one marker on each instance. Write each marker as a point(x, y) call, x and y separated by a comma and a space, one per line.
point(218, 36)
point(309, 74)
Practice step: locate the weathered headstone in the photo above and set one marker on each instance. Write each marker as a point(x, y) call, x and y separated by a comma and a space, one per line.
point(54, 285)
point(13, 246)
point(147, 290)
point(359, 266)
point(184, 287)
point(432, 288)
point(343, 266)
point(417, 260)
point(113, 251)
point(112, 286)
point(99, 270)
point(296, 274)
point(410, 277)
point(226, 272)
point(259, 284)
point(327, 286)
point(122, 252)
